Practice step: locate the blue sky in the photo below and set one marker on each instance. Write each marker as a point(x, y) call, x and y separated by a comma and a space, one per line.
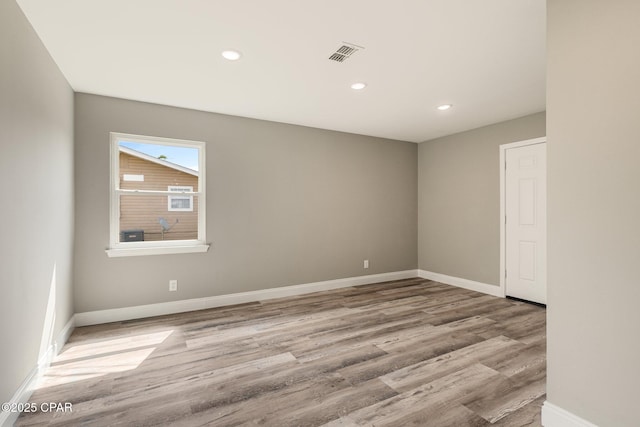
point(183, 156)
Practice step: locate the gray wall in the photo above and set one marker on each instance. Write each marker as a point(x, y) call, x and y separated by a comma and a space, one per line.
point(459, 199)
point(593, 99)
point(285, 205)
point(36, 169)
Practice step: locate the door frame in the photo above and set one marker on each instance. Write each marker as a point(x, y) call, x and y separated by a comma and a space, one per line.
point(503, 204)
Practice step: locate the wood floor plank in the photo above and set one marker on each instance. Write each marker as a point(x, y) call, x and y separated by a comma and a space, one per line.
point(470, 307)
point(513, 361)
point(325, 399)
point(425, 372)
point(407, 356)
point(448, 390)
point(512, 309)
point(527, 416)
point(507, 400)
point(219, 336)
point(510, 393)
point(334, 405)
point(521, 326)
point(407, 352)
point(442, 416)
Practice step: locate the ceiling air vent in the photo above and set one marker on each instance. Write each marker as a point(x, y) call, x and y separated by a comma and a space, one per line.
point(344, 52)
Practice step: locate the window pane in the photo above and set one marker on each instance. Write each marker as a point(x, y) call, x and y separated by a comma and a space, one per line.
point(148, 218)
point(180, 203)
point(156, 167)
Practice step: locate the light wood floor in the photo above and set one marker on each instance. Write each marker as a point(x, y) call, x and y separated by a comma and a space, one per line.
point(411, 352)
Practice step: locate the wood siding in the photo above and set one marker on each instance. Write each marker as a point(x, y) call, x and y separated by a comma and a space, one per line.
point(143, 212)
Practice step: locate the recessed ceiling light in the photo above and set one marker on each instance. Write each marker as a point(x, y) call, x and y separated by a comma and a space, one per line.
point(358, 86)
point(445, 107)
point(231, 55)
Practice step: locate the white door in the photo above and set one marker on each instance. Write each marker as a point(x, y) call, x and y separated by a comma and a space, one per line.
point(526, 222)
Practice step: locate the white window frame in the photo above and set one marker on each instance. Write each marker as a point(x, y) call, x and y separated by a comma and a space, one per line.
point(118, 248)
point(182, 194)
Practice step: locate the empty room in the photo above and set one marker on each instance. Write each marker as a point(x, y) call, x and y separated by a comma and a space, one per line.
point(320, 213)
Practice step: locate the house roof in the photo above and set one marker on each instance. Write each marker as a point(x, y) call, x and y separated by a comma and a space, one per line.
point(157, 161)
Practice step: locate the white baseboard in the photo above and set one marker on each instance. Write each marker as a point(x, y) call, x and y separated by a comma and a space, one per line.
point(485, 288)
point(7, 419)
point(150, 310)
point(27, 387)
point(64, 334)
point(555, 416)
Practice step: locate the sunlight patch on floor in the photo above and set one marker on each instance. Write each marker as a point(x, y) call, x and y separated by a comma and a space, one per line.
point(111, 346)
point(86, 361)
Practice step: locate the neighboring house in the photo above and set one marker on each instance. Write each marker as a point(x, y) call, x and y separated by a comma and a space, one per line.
point(158, 217)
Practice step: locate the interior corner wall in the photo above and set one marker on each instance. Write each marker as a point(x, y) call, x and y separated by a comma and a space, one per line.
point(286, 205)
point(36, 167)
point(459, 199)
point(593, 96)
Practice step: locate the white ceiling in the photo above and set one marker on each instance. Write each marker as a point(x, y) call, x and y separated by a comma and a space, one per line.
point(485, 57)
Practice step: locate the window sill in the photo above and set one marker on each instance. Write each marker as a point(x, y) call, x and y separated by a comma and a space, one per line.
point(159, 250)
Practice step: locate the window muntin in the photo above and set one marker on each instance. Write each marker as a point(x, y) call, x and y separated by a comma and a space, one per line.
point(166, 207)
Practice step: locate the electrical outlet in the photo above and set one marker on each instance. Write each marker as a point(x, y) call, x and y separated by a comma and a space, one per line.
point(173, 285)
point(366, 263)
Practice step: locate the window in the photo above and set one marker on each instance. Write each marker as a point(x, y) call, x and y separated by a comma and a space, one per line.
point(157, 196)
point(180, 203)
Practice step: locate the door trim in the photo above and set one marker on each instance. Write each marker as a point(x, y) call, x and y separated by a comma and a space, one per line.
point(503, 206)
